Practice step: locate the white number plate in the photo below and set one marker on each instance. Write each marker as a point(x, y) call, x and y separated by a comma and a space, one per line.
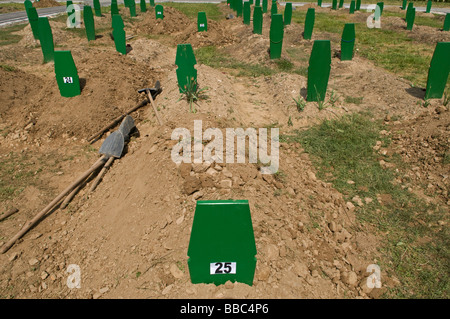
point(222, 268)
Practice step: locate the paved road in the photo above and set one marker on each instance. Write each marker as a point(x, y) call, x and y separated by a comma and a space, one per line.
point(20, 16)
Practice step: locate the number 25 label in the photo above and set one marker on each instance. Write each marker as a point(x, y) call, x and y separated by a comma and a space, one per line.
point(222, 268)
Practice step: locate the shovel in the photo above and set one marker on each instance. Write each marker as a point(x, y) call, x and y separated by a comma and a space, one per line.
point(111, 147)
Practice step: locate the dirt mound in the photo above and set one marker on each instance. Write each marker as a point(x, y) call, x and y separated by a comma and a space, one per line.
point(58, 32)
point(153, 54)
point(216, 35)
point(423, 144)
point(174, 21)
point(46, 4)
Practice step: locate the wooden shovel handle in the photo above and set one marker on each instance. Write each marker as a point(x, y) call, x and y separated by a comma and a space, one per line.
point(36, 218)
point(9, 213)
point(154, 107)
point(101, 174)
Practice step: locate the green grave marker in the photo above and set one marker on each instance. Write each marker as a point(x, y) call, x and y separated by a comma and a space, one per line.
point(446, 23)
point(246, 19)
point(404, 4)
point(185, 60)
point(264, 6)
point(119, 34)
point(239, 8)
point(232, 4)
point(381, 5)
point(89, 24)
point(66, 74)
point(257, 20)
point(152, 3)
point(319, 70)
point(341, 3)
point(97, 8)
point(358, 5)
point(273, 8)
point(408, 10)
point(429, 3)
point(202, 22)
point(251, 2)
point(33, 19)
point(222, 243)
point(438, 71)
point(159, 12)
point(27, 4)
point(309, 23)
point(257, 3)
point(46, 39)
point(287, 13)
point(410, 19)
point(143, 6)
point(276, 36)
point(131, 7)
point(114, 7)
point(334, 5)
point(347, 41)
point(319, 3)
point(352, 7)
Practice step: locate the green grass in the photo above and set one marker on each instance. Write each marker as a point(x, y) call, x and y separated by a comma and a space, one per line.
point(342, 150)
point(7, 36)
point(191, 9)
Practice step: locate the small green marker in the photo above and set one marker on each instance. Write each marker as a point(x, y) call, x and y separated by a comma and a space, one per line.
point(352, 7)
point(410, 19)
point(46, 39)
point(429, 3)
point(66, 74)
point(222, 243)
point(348, 42)
point(264, 6)
point(341, 3)
point(309, 23)
point(89, 24)
point(185, 60)
point(33, 19)
point(246, 13)
point(119, 34)
point(288, 13)
point(202, 22)
point(97, 8)
point(276, 36)
point(257, 20)
point(438, 71)
point(334, 5)
point(143, 6)
point(159, 12)
point(319, 70)
point(446, 23)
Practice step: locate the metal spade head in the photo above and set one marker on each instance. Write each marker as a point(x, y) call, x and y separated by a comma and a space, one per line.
point(126, 126)
point(113, 145)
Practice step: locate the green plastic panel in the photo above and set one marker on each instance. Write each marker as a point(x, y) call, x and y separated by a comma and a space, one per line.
point(66, 74)
point(410, 19)
point(276, 36)
point(438, 71)
point(97, 8)
point(202, 22)
point(143, 6)
point(334, 5)
point(246, 13)
point(257, 20)
point(319, 70)
point(404, 4)
point(274, 8)
point(309, 23)
point(185, 60)
point(352, 7)
point(288, 13)
point(222, 243)
point(428, 9)
point(33, 19)
point(446, 23)
point(347, 41)
point(159, 12)
point(89, 24)
point(264, 6)
point(319, 3)
point(358, 5)
point(114, 7)
point(46, 39)
point(341, 4)
point(119, 34)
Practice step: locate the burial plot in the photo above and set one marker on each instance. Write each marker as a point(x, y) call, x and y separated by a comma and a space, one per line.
point(276, 36)
point(319, 70)
point(309, 23)
point(66, 74)
point(348, 42)
point(438, 71)
point(222, 243)
point(46, 39)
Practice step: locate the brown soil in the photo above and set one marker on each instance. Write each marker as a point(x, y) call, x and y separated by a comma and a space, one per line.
point(46, 4)
point(130, 236)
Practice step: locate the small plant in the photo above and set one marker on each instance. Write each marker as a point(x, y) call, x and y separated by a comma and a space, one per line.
point(333, 98)
point(446, 98)
point(192, 92)
point(300, 103)
point(290, 122)
point(320, 103)
point(426, 103)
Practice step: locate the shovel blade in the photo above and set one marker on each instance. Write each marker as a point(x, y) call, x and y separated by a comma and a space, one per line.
point(113, 145)
point(126, 126)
